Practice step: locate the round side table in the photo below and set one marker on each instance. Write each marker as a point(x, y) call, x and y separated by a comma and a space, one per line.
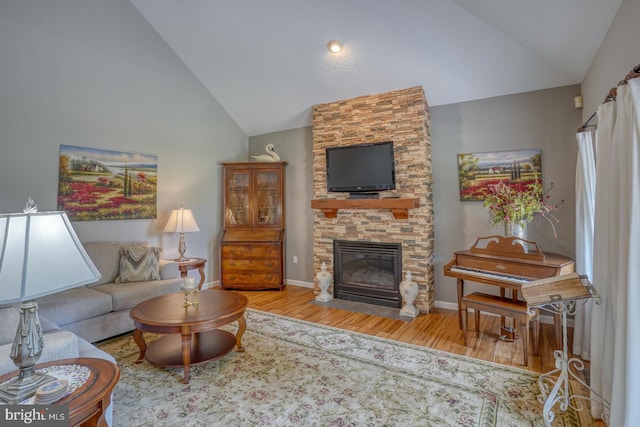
point(193, 264)
point(88, 402)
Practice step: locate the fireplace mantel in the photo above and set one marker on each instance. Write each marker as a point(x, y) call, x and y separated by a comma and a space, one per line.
point(399, 206)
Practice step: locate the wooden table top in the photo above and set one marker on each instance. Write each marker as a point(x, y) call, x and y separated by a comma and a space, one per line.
point(92, 395)
point(166, 313)
point(192, 262)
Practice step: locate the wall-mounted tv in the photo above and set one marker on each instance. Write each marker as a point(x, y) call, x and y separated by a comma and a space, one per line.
point(361, 168)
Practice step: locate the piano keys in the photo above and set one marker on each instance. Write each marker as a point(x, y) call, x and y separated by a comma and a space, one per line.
point(489, 276)
point(507, 262)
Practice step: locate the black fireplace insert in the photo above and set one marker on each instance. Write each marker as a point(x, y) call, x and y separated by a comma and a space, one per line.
point(368, 272)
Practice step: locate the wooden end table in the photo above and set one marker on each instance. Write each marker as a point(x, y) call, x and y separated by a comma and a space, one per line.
point(89, 401)
point(192, 337)
point(193, 264)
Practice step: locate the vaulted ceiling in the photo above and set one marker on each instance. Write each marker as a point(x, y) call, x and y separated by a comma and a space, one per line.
point(266, 61)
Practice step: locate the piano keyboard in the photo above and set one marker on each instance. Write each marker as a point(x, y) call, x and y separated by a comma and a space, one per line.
point(495, 276)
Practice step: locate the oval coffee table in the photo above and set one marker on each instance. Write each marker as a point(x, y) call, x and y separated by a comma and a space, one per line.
point(192, 337)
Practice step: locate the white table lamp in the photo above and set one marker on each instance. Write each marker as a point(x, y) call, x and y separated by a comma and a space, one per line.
point(181, 221)
point(40, 254)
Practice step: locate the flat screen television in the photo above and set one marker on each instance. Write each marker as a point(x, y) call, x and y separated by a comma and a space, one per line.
point(361, 168)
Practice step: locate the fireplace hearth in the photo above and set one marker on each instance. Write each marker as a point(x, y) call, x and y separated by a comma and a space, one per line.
point(368, 272)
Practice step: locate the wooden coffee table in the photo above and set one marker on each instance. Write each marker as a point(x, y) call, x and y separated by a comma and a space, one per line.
point(192, 337)
point(88, 402)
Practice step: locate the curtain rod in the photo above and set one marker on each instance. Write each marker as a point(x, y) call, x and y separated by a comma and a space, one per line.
point(611, 96)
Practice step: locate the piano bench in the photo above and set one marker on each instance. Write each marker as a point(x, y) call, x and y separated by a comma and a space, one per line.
point(518, 311)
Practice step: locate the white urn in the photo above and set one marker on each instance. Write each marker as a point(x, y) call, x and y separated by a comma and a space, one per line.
point(324, 279)
point(409, 292)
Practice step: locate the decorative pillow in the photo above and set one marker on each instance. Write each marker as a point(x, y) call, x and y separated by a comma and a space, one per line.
point(139, 263)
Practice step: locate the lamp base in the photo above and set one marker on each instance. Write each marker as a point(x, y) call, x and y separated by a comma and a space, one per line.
point(182, 248)
point(22, 387)
point(25, 353)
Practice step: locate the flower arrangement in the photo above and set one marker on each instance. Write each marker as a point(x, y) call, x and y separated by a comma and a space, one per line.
point(519, 202)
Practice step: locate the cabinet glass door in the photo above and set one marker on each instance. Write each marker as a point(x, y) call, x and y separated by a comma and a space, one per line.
point(237, 213)
point(267, 198)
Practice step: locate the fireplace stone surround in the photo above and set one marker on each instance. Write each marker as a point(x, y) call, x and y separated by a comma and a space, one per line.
point(400, 116)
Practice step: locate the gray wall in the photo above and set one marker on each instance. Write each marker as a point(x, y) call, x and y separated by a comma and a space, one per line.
point(543, 119)
point(96, 74)
point(295, 146)
point(617, 55)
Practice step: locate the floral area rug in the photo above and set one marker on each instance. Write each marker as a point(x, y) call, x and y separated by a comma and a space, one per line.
point(296, 373)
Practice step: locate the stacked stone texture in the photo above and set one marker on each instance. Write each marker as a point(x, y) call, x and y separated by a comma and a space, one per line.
point(400, 116)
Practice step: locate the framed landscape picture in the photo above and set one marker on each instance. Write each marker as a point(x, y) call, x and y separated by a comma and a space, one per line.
point(476, 171)
point(95, 184)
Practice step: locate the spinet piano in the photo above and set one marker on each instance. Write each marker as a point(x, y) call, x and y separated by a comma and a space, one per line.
point(507, 262)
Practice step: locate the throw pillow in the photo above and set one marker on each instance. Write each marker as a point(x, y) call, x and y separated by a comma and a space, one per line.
point(139, 263)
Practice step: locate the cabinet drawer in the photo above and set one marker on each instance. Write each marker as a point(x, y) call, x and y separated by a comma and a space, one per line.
point(272, 265)
point(233, 278)
point(255, 252)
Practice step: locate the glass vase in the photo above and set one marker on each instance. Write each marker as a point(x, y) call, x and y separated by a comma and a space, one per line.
point(518, 230)
point(515, 229)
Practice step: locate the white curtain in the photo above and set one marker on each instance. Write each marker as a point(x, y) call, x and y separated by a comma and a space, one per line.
point(585, 211)
point(615, 372)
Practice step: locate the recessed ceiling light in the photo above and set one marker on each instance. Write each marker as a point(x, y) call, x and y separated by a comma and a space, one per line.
point(334, 46)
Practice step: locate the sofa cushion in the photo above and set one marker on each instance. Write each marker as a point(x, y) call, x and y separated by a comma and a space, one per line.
point(169, 269)
point(127, 296)
point(9, 318)
point(138, 264)
point(106, 257)
point(57, 345)
point(74, 304)
point(89, 350)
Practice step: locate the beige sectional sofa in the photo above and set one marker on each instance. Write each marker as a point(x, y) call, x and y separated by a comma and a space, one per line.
point(74, 318)
point(58, 344)
point(101, 309)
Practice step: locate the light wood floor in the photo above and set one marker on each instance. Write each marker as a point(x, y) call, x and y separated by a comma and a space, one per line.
point(438, 330)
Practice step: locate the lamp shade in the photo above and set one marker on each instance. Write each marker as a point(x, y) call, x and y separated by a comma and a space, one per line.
point(181, 221)
point(40, 254)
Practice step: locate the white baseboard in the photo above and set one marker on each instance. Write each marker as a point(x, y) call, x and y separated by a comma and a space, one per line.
point(300, 283)
point(211, 285)
point(446, 305)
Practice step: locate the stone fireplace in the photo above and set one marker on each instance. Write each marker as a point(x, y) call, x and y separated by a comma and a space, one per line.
point(400, 116)
point(368, 272)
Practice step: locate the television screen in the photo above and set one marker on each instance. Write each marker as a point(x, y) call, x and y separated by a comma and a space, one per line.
point(361, 168)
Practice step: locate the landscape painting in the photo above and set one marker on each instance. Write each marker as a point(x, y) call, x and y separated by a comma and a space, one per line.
point(476, 171)
point(97, 184)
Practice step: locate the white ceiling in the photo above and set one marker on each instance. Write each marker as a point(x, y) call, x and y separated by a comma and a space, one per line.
point(266, 62)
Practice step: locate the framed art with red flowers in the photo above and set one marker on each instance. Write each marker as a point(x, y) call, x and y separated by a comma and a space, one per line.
point(477, 172)
point(96, 184)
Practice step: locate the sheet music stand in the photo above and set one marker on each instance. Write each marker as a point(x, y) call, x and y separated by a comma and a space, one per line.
point(560, 295)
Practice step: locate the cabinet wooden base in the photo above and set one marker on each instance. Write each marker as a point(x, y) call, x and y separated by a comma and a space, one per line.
point(249, 287)
point(252, 260)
